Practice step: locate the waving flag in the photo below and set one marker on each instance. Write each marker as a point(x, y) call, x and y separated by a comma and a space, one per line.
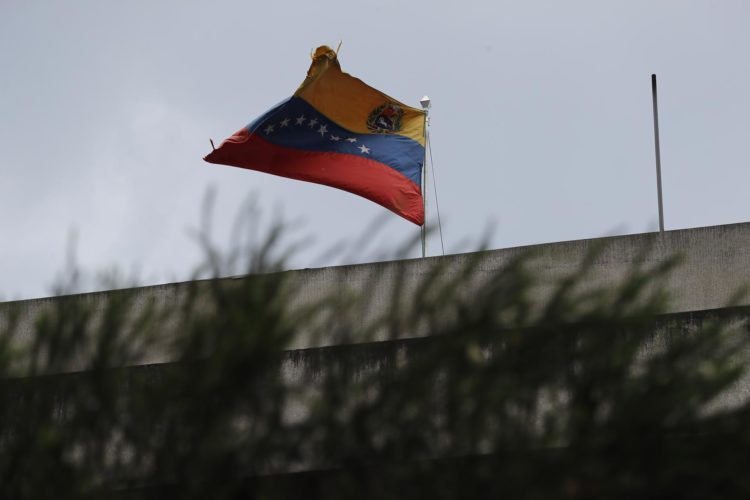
point(338, 131)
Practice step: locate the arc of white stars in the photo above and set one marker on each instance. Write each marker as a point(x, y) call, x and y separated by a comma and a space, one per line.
point(322, 130)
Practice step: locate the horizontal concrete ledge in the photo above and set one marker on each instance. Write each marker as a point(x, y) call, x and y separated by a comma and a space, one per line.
point(308, 368)
point(716, 263)
point(305, 365)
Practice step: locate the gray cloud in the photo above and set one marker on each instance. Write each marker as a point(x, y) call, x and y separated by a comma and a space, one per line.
point(541, 120)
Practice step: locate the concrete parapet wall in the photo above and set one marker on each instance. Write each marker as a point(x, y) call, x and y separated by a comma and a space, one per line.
point(716, 263)
point(308, 368)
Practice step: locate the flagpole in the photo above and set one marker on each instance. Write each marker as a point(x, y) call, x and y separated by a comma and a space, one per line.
point(658, 154)
point(425, 102)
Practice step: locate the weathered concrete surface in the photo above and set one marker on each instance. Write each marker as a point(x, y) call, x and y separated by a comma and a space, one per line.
point(307, 368)
point(716, 264)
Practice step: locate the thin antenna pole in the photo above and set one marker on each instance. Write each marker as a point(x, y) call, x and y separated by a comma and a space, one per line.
point(658, 154)
point(425, 102)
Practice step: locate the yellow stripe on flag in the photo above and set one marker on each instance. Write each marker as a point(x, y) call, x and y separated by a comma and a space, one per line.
point(349, 101)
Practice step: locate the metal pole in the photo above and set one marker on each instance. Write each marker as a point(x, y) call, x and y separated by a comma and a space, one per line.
point(425, 102)
point(658, 154)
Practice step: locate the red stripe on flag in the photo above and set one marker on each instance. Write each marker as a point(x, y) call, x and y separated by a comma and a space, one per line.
point(356, 174)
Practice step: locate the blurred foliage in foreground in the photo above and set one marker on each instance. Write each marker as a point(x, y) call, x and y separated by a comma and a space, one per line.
point(573, 397)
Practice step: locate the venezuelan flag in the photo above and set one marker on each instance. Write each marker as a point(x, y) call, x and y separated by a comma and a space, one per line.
point(338, 131)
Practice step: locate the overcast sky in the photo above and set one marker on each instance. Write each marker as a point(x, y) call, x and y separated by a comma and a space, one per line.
point(541, 121)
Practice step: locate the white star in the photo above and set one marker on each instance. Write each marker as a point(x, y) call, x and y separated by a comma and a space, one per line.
point(335, 138)
point(300, 119)
point(365, 150)
point(352, 140)
point(312, 122)
point(285, 122)
point(322, 130)
point(268, 129)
